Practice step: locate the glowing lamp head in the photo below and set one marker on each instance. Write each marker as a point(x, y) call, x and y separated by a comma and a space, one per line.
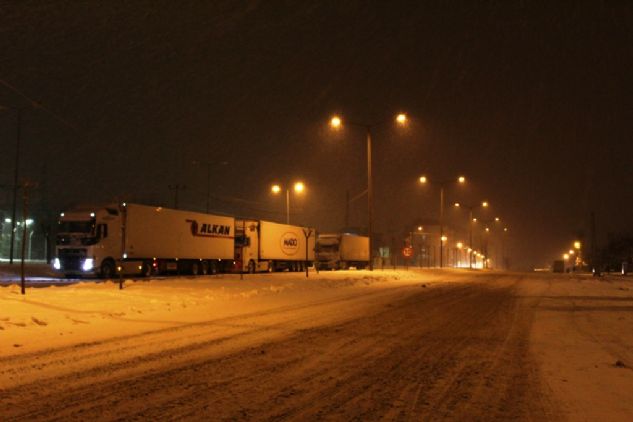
point(487, 229)
point(461, 179)
point(484, 204)
point(336, 122)
point(401, 119)
point(577, 244)
point(497, 219)
point(444, 238)
point(457, 204)
point(565, 257)
point(423, 179)
point(275, 189)
point(299, 187)
point(460, 245)
point(420, 228)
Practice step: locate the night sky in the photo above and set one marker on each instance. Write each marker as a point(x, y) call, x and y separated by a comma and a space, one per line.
point(534, 105)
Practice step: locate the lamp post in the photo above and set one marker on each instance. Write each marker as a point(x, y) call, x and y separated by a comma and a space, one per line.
point(298, 187)
point(484, 204)
point(18, 111)
point(460, 180)
point(486, 229)
point(336, 123)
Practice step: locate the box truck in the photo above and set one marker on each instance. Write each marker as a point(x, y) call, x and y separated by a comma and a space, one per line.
point(141, 239)
point(266, 246)
point(342, 250)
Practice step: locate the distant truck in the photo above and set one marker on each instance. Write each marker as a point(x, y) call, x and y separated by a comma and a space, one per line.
point(558, 266)
point(267, 246)
point(142, 240)
point(342, 250)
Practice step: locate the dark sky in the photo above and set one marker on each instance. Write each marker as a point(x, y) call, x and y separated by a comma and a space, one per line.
point(534, 104)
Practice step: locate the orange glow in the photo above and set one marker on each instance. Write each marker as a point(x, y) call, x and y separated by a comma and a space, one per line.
point(299, 187)
point(276, 189)
point(423, 179)
point(401, 118)
point(461, 179)
point(336, 122)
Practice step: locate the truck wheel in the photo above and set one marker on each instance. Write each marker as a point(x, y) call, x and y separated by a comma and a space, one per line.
point(213, 267)
point(251, 267)
point(146, 269)
point(271, 267)
point(204, 267)
point(107, 269)
point(195, 268)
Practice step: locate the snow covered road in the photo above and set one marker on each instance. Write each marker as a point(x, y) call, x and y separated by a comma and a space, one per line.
point(402, 345)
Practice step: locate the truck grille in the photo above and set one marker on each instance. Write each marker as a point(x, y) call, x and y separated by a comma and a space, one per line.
point(71, 259)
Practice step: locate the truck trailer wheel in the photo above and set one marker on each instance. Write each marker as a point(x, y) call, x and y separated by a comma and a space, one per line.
point(195, 268)
point(251, 267)
point(146, 269)
point(107, 269)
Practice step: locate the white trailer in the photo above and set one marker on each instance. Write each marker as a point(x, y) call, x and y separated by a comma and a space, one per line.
point(266, 246)
point(141, 239)
point(342, 250)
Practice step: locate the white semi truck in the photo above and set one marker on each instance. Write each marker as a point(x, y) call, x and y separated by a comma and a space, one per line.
point(266, 246)
point(141, 239)
point(341, 251)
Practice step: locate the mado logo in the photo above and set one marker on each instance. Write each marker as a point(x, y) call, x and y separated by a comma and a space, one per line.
point(289, 243)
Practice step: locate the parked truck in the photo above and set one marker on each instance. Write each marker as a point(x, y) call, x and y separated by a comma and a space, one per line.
point(142, 240)
point(342, 250)
point(267, 246)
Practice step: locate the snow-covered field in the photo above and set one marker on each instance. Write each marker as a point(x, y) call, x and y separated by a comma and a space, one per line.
point(344, 345)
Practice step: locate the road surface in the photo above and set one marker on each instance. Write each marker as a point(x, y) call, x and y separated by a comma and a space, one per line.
point(457, 350)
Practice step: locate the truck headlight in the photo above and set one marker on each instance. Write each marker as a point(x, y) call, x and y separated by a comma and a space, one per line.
point(88, 264)
point(57, 264)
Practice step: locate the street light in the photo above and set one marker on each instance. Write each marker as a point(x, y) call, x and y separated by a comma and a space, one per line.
point(471, 220)
point(336, 122)
point(424, 180)
point(298, 187)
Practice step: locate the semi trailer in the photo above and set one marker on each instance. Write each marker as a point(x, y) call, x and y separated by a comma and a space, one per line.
point(267, 246)
point(340, 251)
point(142, 240)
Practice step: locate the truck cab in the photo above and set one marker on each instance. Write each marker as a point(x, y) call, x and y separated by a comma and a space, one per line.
point(88, 241)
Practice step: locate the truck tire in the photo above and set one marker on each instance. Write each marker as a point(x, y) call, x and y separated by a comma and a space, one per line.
point(251, 267)
point(195, 268)
point(107, 269)
point(213, 267)
point(146, 269)
point(204, 267)
point(271, 267)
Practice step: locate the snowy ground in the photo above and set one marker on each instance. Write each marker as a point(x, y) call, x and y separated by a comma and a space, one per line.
point(394, 345)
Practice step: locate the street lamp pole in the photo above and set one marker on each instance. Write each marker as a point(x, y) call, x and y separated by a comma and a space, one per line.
point(424, 180)
point(370, 197)
point(441, 225)
point(298, 188)
point(288, 206)
point(15, 182)
point(336, 123)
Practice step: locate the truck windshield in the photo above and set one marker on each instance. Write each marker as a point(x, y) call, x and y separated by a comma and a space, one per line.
point(75, 227)
point(328, 248)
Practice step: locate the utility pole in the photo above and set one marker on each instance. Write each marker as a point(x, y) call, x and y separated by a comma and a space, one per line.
point(177, 187)
point(25, 212)
point(15, 181)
